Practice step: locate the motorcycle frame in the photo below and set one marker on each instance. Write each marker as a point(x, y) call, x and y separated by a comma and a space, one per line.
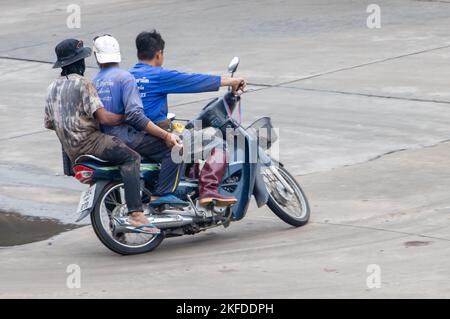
point(251, 182)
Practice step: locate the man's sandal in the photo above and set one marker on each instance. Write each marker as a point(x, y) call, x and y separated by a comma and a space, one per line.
point(137, 229)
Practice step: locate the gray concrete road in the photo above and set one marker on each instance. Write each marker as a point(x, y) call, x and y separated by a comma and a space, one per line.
point(371, 213)
point(363, 119)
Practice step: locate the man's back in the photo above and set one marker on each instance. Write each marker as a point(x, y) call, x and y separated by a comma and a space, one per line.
point(109, 88)
point(153, 99)
point(118, 93)
point(69, 110)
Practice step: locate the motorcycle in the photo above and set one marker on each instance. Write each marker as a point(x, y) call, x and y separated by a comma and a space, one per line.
point(250, 172)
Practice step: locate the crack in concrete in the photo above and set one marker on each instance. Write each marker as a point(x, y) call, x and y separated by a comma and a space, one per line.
point(368, 95)
point(385, 154)
point(361, 227)
point(25, 60)
point(3, 57)
point(377, 157)
point(363, 64)
point(440, 1)
point(394, 152)
point(382, 229)
point(22, 135)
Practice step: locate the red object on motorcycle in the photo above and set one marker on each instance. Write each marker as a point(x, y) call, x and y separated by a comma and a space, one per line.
point(83, 174)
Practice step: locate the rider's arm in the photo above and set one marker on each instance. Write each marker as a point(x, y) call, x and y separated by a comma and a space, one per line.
point(107, 118)
point(131, 100)
point(93, 107)
point(170, 139)
point(48, 118)
point(235, 83)
point(172, 81)
point(135, 115)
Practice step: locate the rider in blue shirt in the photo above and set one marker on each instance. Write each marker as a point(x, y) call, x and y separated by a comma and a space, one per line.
point(155, 83)
point(119, 94)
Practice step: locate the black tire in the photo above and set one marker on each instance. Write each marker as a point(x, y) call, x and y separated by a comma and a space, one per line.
point(109, 242)
point(281, 212)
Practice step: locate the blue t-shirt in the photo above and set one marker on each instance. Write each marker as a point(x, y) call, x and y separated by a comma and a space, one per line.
point(119, 94)
point(154, 83)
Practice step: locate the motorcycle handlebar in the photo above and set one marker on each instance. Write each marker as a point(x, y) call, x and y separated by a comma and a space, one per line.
point(229, 97)
point(241, 86)
point(189, 125)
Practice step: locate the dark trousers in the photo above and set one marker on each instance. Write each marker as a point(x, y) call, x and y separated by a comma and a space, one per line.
point(129, 161)
point(155, 149)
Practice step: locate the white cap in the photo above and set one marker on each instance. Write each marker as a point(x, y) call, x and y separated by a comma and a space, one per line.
point(106, 49)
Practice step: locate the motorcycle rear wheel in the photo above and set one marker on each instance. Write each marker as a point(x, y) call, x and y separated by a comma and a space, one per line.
point(103, 230)
point(291, 208)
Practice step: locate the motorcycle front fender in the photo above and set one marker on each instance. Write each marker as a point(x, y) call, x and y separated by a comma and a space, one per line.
point(260, 191)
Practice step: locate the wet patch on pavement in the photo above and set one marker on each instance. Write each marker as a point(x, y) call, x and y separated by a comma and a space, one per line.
point(17, 229)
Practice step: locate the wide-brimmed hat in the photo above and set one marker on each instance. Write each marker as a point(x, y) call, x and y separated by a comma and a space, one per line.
point(107, 49)
point(69, 51)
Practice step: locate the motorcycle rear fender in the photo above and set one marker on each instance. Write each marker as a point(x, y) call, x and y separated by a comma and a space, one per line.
point(101, 184)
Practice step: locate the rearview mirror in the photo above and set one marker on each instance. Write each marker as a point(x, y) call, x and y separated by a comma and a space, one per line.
point(232, 67)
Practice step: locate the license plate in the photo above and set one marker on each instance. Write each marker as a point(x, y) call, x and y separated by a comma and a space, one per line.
point(87, 199)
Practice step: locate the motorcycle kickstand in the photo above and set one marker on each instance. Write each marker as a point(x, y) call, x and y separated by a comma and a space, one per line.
point(211, 208)
point(197, 213)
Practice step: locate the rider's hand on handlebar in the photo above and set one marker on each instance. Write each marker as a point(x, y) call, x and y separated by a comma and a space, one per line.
point(238, 85)
point(173, 140)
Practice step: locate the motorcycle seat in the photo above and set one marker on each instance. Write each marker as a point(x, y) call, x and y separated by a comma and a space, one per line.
point(90, 158)
point(97, 160)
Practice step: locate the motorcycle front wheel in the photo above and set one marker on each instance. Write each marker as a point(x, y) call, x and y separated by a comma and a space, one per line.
point(286, 198)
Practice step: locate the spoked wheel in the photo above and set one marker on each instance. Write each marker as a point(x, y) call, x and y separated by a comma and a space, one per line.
point(110, 206)
point(286, 198)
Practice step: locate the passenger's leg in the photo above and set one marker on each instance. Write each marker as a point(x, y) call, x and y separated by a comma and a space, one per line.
point(129, 162)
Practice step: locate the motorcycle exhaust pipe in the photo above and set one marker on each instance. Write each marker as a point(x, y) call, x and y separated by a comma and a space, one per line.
point(161, 222)
point(170, 221)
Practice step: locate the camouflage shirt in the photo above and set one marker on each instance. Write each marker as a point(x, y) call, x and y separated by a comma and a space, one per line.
point(69, 110)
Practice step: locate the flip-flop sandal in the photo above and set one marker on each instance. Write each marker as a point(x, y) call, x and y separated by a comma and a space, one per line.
point(137, 229)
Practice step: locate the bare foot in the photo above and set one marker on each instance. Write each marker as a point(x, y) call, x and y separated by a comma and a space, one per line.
point(139, 219)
